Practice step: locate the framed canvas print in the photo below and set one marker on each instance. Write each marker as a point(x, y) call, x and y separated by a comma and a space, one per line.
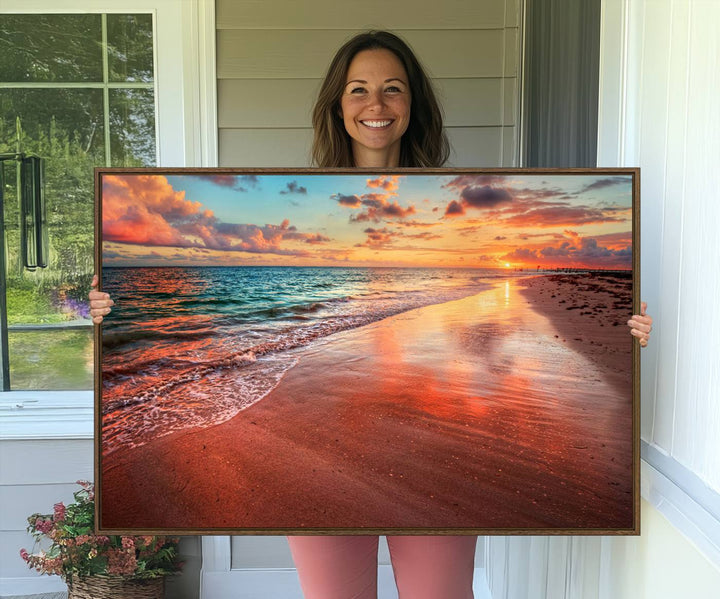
point(397, 351)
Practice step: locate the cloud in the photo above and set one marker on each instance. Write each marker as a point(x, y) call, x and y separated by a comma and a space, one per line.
point(377, 238)
point(584, 252)
point(454, 208)
point(478, 197)
point(562, 216)
point(426, 235)
point(234, 181)
point(293, 187)
point(462, 181)
point(316, 239)
point(352, 201)
point(415, 223)
point(145, 210)
point(223, 180)
point(603, 183)
point(484, 197)
point(377, 207)
point(388, 183)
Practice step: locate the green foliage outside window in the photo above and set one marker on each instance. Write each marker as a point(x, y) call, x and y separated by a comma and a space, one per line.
point(81, 89)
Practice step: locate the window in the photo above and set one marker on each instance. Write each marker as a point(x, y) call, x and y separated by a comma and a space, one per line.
point(78, 91)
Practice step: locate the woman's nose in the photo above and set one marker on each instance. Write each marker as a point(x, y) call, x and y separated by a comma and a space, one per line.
point(376, 99)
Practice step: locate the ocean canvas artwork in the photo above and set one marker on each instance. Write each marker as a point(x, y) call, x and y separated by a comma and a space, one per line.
point(342, 351)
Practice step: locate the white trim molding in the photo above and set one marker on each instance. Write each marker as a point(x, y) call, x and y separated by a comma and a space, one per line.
point(687, 503)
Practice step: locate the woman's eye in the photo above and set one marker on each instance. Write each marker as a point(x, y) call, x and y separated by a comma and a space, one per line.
point(357, 90)
point(393, 89)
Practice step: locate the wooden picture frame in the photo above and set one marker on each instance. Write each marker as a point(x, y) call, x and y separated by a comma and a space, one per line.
point(352, 351)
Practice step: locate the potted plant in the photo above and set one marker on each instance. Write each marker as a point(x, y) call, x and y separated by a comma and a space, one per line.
point(98, 566)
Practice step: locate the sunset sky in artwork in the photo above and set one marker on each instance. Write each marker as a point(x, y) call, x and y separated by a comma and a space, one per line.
point(517, 220)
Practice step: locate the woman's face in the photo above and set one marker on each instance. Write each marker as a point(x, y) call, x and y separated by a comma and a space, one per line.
point(375, 107)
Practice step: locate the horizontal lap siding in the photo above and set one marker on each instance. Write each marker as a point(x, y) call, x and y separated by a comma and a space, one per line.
point(34, 475)
point(271, 60)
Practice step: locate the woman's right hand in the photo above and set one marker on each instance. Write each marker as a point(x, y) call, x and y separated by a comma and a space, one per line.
point(100, 302)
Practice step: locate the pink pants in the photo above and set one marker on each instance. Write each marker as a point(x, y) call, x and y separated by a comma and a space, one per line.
point(345, 567)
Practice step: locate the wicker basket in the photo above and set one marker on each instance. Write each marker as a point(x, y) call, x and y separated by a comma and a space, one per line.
point(116, 587)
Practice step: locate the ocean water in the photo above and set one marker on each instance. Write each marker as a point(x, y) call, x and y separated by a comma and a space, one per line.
point(190, 347)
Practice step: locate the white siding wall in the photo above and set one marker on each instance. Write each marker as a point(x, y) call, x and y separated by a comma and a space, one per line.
point(271, 57)
point(34, 475)
point(660, 86)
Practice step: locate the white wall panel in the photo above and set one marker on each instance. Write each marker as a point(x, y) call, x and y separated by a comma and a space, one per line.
point(475, 146)
point(265, 147)
point(294, 53)
point(653, 117)
point(380, 14)
point(697, 422)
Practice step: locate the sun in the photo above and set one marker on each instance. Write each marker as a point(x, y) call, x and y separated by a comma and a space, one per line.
point(507, 265)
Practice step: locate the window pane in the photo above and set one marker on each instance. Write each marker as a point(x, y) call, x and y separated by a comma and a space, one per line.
point(52, 360)
point(49, 117)
point(65, 127)
point(37, 48)
point(132, 127)
point(50, 333)
point(130, 47)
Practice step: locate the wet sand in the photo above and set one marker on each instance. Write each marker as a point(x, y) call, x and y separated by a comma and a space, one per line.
point(482, 413)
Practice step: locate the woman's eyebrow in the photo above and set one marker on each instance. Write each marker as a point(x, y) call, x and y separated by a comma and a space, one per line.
point(386, 81)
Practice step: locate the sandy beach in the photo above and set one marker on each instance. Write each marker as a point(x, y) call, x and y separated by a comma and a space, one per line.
point(508, 408)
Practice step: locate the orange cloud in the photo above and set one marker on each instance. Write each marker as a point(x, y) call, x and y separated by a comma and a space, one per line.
point(583, 252)
point(146, 210)
point(389, 183)
point(562, 216)
point(377, 206)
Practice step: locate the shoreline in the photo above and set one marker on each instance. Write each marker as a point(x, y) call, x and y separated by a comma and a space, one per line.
point(446, 416)
point(588, 311)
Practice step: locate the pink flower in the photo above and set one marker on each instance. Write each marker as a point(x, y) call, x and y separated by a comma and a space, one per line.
point(44, 526)
point(59, 509)
point(128, 542)
point(24, 555)
point(121, 562)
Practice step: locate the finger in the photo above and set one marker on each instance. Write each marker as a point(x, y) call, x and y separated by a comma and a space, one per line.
point(643, 342)
point(643, 308)
point(639, 334)
point(94, 281)
point(641, 326)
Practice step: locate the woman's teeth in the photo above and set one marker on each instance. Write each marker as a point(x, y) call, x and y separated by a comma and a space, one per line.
point(376, 124)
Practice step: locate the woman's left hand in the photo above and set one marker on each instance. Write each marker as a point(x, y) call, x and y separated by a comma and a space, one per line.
point(641, 325)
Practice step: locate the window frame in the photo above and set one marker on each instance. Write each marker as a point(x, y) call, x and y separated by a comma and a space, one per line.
point(184, 37)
